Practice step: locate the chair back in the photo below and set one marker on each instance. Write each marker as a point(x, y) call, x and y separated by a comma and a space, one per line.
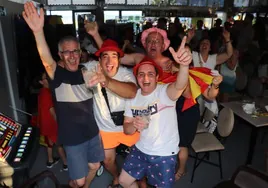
point(208, 115)
point(247, 177)
point(225, 122)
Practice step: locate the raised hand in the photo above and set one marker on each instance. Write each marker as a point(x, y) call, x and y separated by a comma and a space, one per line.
point(217, 80)
point(32, 18)
point(226, 35)
point(91, 28)
point(191, 33)
point(183, 56)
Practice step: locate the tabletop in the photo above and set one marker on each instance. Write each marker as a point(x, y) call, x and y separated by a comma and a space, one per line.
point(236, 106)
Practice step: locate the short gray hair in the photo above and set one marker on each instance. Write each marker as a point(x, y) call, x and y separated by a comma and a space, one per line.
point(67, 39)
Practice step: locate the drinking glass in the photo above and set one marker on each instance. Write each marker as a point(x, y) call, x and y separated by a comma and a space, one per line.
point(88, 75)
point(146, 118)
point(90, 17)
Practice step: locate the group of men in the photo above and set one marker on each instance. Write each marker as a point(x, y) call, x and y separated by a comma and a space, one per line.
point(93, 122)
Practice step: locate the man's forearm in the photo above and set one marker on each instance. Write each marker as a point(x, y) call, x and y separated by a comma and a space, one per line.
point(129, 129)
point(182, 78)
point(98, 40)
point(123, 89)
point(43, 49)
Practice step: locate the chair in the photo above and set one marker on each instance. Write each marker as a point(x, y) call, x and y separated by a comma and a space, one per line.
point(204, 143)
point(246, 177)
point(207, 116)
point(41, 176)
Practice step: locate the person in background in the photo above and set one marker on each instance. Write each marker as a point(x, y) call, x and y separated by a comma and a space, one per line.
point(154, 155)
point(228, 71)
point(84, 56)
point(47, 122)
point(162, 23)
point(77, 128)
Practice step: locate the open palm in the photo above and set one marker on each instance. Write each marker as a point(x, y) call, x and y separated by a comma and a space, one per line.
point(32, 18)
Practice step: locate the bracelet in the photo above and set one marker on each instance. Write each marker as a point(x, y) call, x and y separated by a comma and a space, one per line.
point(227, 41)
point(216, 87)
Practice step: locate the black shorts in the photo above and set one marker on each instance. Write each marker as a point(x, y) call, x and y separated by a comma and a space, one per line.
point(187, 124)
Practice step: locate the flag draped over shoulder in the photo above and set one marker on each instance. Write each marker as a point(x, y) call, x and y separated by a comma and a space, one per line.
point(199, 80)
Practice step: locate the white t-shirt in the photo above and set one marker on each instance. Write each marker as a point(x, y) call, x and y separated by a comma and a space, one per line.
point(199, 62)
point(161, 138)
point(117, 103)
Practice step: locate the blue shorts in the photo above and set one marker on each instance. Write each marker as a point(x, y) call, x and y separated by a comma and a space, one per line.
point(160, 170)
point(79, 156)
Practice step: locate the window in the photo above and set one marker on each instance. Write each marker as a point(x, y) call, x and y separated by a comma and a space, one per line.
point(58, 2)
point(115, 1)
point(137, 2)
point(259, 2)
point(66, 16)
point(198, 3)
point(215, 3)
point(132, 16)
point(84, 2)
point(111, 15)
point(241, 3)
point(178, 2)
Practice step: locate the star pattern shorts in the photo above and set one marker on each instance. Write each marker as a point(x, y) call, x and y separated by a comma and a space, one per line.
point(160, 170)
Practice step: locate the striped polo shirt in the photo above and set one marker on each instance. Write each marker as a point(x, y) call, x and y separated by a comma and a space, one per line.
point(73, 106)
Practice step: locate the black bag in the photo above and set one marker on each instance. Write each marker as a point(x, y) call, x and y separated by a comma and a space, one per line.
point(117, 117)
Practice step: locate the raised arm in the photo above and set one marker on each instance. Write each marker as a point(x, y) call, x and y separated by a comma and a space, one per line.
point(183, 57)
point(128, 59)
point(212, 92)
point(223, 57)
point(36, 23)
point(126, 89)
point(92, 29)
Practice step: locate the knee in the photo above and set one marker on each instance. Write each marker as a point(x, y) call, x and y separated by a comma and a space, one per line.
point(108, 161)
point(81, 182)
point(122, 182)
point(94, 166)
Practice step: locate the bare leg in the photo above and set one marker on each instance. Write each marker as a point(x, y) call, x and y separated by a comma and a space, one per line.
point(62, 154)
point(127, 181)
point(183, 157)
point(142, 183)
point(110, 165)
point(93, 167)
point(77, 183)
point(50, 151)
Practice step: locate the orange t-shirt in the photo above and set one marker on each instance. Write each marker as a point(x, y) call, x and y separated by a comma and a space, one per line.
point(47, 124)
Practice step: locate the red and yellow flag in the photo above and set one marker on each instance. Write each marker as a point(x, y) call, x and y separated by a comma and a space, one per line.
point(199, 80)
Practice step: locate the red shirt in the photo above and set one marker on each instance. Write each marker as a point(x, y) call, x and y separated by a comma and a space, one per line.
point(47, 124)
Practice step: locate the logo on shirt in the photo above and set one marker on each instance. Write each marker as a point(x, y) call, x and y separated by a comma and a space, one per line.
point(151, 109)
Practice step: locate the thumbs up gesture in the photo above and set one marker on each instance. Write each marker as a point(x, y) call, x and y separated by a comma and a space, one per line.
point(183, 56)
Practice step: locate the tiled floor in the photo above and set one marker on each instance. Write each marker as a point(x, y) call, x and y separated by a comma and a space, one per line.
point(206, 175)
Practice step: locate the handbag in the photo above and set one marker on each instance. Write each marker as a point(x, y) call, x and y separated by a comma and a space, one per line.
point(117, 117)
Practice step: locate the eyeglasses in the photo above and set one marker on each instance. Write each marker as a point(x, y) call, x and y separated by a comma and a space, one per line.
point(153, 41)
point(68, 52)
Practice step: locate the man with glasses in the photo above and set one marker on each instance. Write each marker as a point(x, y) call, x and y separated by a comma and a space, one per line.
point(77, 131)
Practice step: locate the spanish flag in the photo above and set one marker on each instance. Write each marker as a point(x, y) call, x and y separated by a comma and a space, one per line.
point(199, 80)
